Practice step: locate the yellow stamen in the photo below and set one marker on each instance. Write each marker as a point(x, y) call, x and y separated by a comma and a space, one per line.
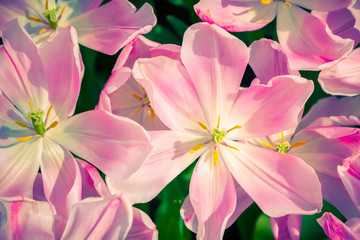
point(31, 106)
point(137, 111)
point(265, 1)
point(136, 96)
point(20, 124)
point(218, 124)
point(47, 5)
point(197, 147)
point(54, 124)
point(268, 145)
point(152, 113)
point(203, 125)
point(42, 31)
point(23, 139)
point(233, 128)
point(282, 137)
point(297, 144)
point(287, 4)
point(216, 157)
point(48, 112)
point(62, 11)
point(232, 147)
point(35, 19)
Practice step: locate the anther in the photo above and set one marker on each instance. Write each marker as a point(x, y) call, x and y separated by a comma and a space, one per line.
point(47, 5)
point(287, 4)
point(23, 139)
point(42, 31)
point(203, 125)
point(265, 1)
point(282, 137)
point(218, 123)
point(54, 124)
point(233, 128)
point(35, 19)
point(62, 11)
point(216, 156)
point(20, 124)
point(31, 106)
point(197, 147)
point(152, 113)
point(298, 144)
point(136, 96)
point(48, 112)
point(137, 111)
point(231, 147)
point(268, 145)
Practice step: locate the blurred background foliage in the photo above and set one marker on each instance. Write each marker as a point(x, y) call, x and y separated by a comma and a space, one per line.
point(173, 18)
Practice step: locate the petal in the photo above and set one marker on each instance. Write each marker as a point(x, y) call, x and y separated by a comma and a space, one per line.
point(351, 180)
point(212, 195)
point(61, 177)
point(115, 145)
point(142, 228)
point(62, 60)
point(263, 110)
point(92, 183)
point(216, 62)
point(279, 183)
point(27, 217)
point(335, 229)
point(342, 78)
point(169, 157)
point(267, 60)
point(112, 25)
point(178, 108)
point(342, 22)
point(30, 79)
point(10, 10)
point(236, 16)
point(19, 164)
point(322, 5)
point(100, 218)
point(287, 227)
point(329, 111)
point(308, 48)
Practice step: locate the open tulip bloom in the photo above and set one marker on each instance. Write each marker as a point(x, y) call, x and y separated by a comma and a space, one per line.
point(305, 39)
point(199, 99)
point(40, 87)
point(105, 28)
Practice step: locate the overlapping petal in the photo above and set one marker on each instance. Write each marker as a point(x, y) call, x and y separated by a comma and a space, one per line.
point(212, 195)
point(322, 5)
point(280, 184)
point(116, 145)
point(142, 228)
point(215, 61)
point(286, 227)
point(170, 156)
point(335, 229)
point(312, 47)
point(99, 27)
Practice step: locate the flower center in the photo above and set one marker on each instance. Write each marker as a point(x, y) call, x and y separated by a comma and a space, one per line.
point(218, 135)
point(145, 102)
point(265, 2)
point(50, 15)
point(284, 146)
point(37, 122)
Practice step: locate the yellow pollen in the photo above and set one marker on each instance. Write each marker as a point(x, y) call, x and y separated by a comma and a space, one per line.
point(20, 124)
point(197, 147)
point(35, 19)
point(287, 4)
point(47, 5)
point(54, 124)
point(298, 144)
point(232, 147)
point(268, 145)
point(31, 106)
point(282, 137)
point(152, 113)
point(203, 126)
point(218, 124)
point(136, 96)
point(42, 31)
point(137, 111)
point(265, 1)
point(48, 112)
point(23, 139)
point(233, 128)
point(62, 11)
point(216, 157)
